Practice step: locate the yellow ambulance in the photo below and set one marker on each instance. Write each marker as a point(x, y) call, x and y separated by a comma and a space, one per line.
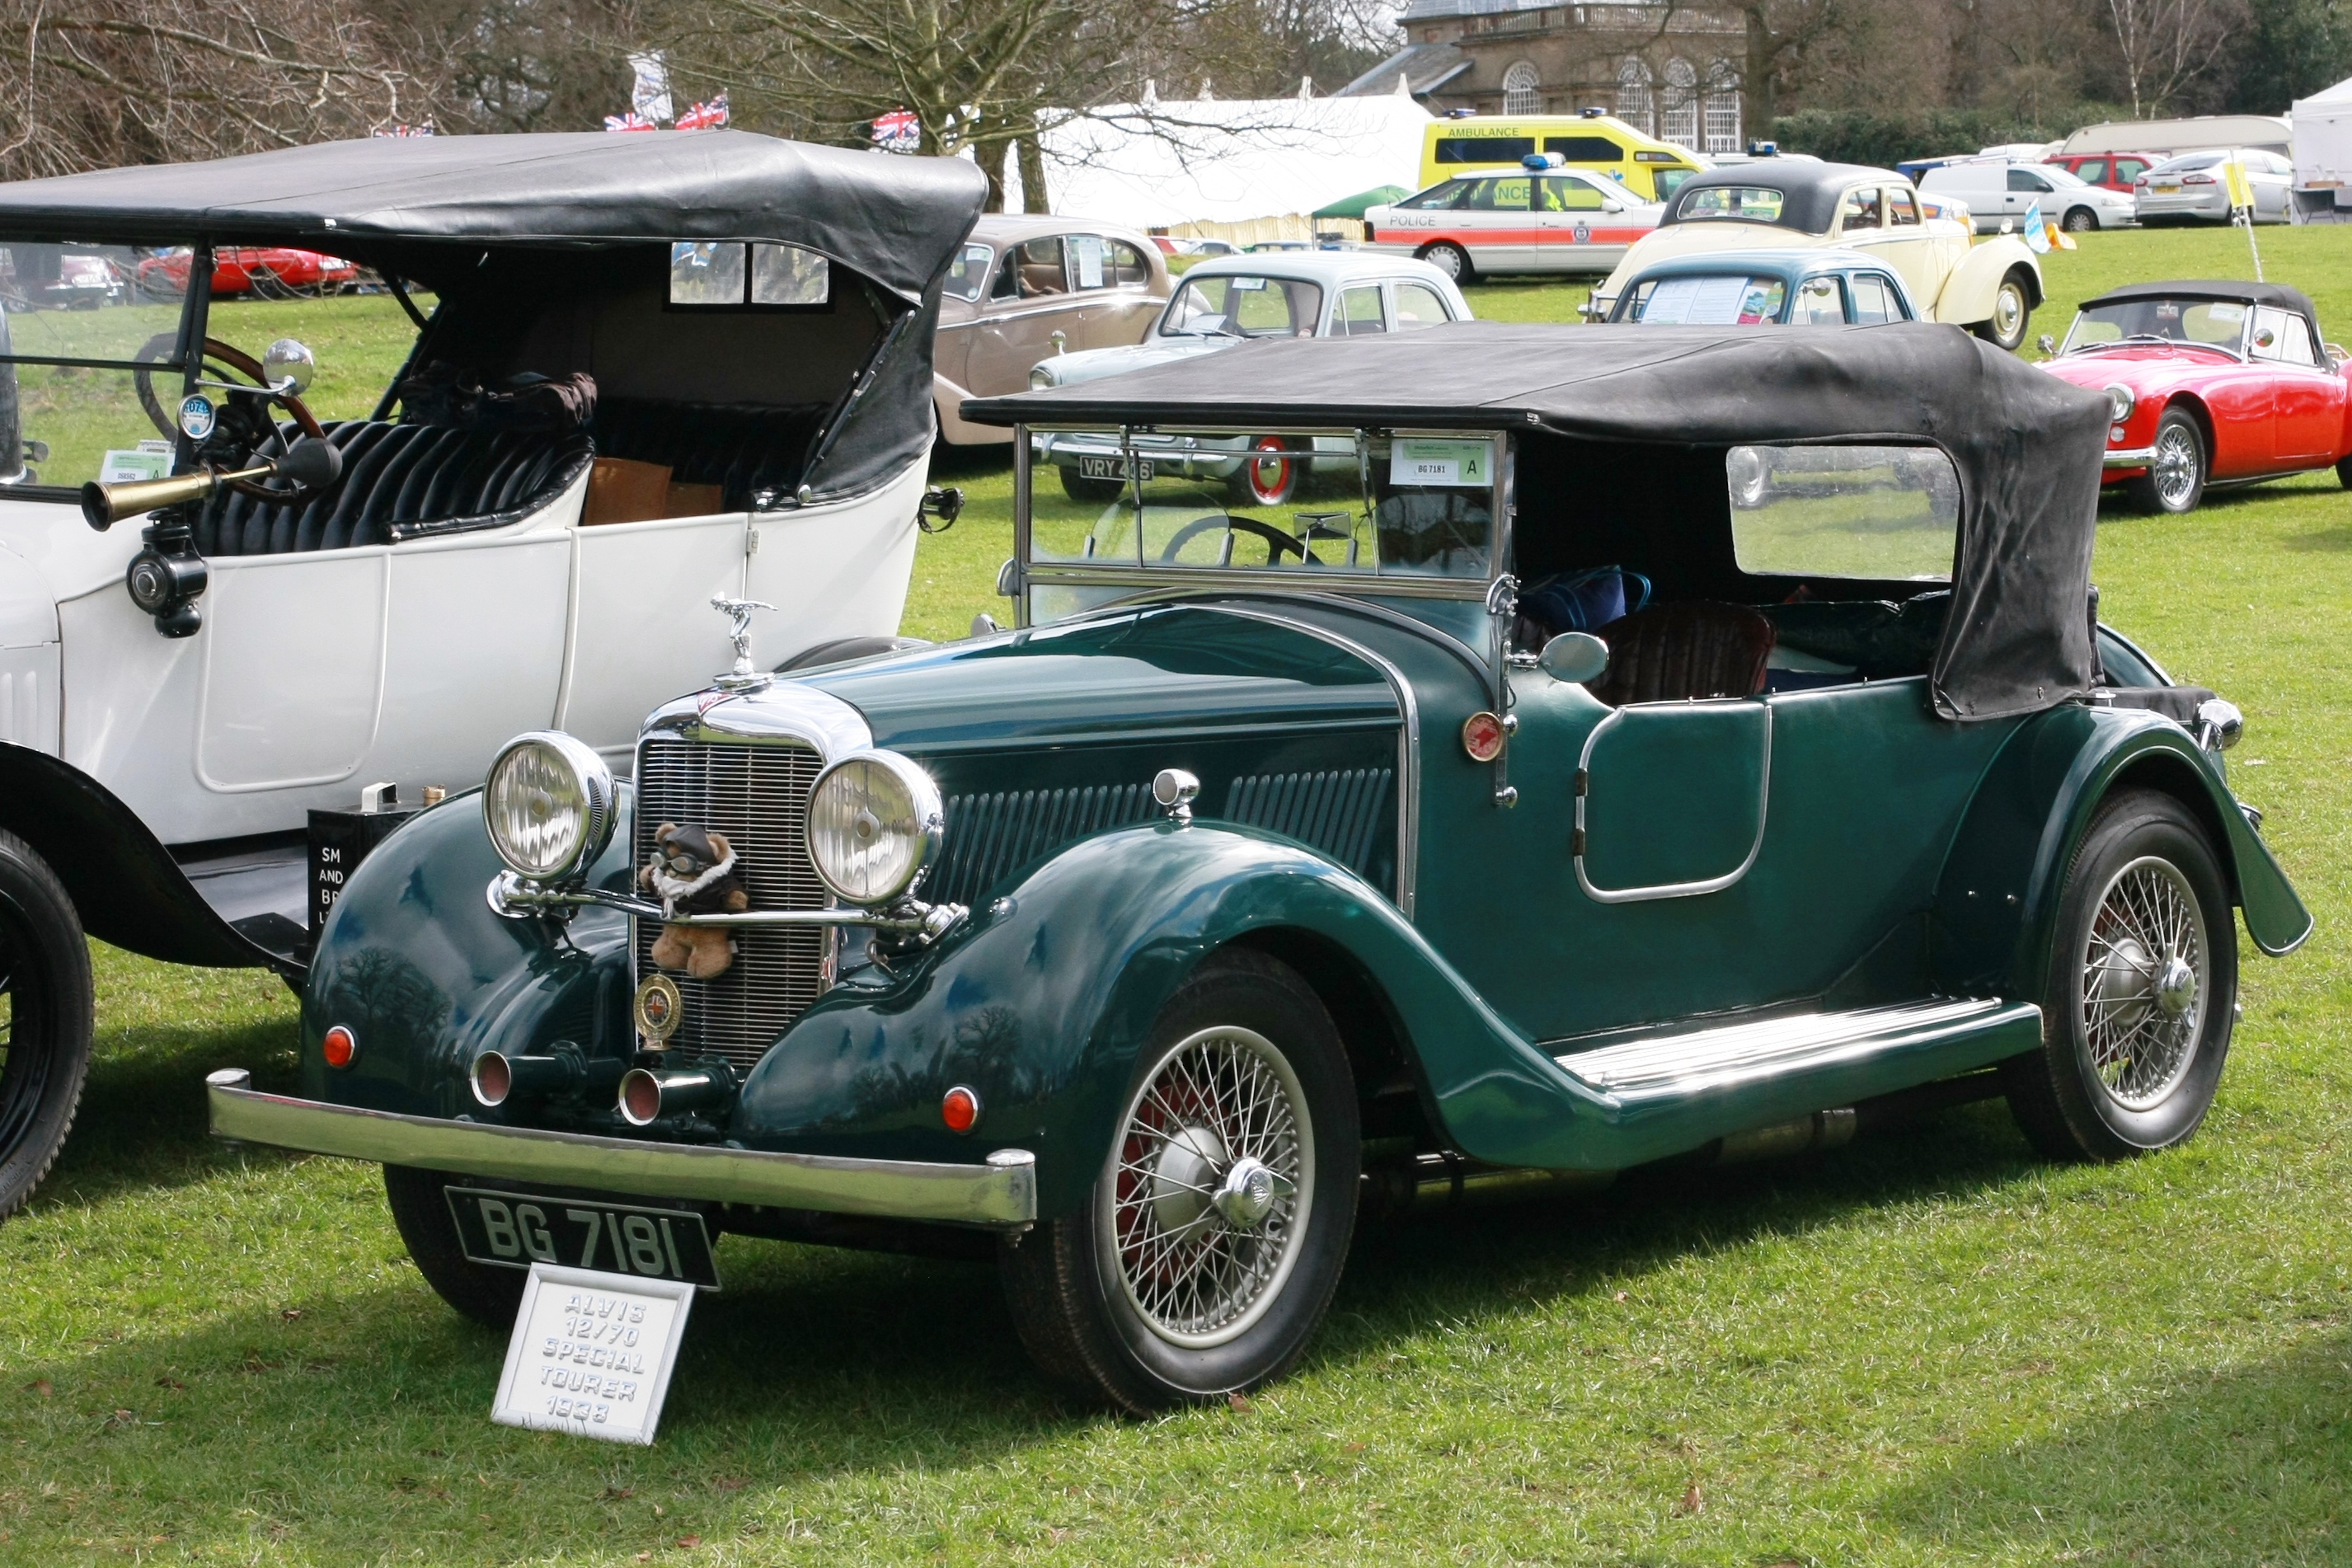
point(1644, 165)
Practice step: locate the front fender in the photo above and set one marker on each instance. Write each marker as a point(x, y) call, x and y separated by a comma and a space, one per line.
point(1997, 900)
point(1967, 294)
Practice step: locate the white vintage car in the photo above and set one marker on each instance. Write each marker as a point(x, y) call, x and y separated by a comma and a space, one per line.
point(1991, 287)
point(663, 370)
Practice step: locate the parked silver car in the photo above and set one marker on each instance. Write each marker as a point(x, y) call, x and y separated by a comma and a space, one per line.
point(2192, 186)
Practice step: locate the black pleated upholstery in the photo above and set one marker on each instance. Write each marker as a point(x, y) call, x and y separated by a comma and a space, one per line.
point(402, 480)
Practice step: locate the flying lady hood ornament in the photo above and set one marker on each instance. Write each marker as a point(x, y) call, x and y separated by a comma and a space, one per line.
point(743, 677)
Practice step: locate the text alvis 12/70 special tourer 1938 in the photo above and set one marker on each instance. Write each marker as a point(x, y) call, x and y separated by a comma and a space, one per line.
point(1663, 740)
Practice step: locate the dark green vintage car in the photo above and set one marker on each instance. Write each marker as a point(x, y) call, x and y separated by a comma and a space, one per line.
point(1667, 743)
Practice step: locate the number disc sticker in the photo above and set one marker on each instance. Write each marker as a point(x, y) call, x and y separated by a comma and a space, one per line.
point(196, 416)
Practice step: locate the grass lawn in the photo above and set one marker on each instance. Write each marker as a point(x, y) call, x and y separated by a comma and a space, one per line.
point(1925, 1349)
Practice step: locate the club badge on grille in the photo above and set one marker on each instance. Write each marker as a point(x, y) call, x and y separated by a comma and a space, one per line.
point(658, 1010)
point(694, 871)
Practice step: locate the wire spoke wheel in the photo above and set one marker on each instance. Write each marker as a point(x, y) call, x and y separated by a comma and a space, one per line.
point(1210, 1186)
point(2145, 973)
point(2175, 466)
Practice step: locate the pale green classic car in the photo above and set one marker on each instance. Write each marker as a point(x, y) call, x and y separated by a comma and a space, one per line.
point(1678, 742)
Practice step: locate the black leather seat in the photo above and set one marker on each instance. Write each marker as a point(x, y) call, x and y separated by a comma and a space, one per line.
point(741, 449)
point(1684, 651)
point(402, 481)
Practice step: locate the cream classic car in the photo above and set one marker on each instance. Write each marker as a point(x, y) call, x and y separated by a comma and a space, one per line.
point(660, 369)
point(1990, 287)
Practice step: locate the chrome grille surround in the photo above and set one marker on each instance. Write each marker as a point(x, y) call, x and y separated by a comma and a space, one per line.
point(756, 795)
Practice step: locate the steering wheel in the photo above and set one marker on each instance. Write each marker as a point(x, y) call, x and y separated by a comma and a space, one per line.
point(1277, 541)
point(245, 364)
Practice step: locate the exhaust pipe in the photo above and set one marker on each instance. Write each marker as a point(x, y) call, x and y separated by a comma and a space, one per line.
point(647, 1095)
point(1439, 1183)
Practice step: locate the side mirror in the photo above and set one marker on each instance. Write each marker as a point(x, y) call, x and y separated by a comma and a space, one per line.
point(2046, 344)
point(1575, 658)
point(288, 366)
point(1612, 206)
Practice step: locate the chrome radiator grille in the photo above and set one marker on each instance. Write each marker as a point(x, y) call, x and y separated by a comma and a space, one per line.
point(757, 798)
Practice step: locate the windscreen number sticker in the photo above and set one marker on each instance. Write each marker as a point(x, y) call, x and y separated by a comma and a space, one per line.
point(1424, 462)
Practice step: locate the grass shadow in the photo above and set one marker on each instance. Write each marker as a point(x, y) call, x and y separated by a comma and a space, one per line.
point(2247, 1465)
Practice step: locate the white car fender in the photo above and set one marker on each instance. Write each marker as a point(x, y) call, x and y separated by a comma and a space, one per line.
point(947, 399)
point(1967, 294)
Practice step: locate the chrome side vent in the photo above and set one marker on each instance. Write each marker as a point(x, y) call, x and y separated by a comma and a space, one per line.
point(1338, 813)
point(991, 835)
point(758, 797)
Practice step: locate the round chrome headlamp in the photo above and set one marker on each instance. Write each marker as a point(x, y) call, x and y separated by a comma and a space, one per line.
point(548, 806)
point(875, 822)
point(2120, 402)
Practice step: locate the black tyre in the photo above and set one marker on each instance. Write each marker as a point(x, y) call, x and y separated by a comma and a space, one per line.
point(489, 1296)
point(1098, 491)
point(1450, 260)
point(2012, 312)
point(2143, 989)
point(1206, 1252)
point(2175, 481)
point(2079, 220)
point(2344, 473)
point(45, 1008)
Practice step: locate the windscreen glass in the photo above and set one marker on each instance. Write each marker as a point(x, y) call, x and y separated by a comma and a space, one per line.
point(967, 275)
point(2216, 323)
point(1299, 505)
point(1733, 300)
point(101, 309)
point(1876, 512)
point(1743, 204)
point(1241, 305)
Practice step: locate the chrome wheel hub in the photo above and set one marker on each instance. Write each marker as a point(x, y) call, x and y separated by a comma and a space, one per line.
point(1204, 1202)
point(2176, 467)
point(2008, 310)
point(2145, 969)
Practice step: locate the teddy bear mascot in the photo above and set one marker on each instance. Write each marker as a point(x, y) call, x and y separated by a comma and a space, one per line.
point(694, 873)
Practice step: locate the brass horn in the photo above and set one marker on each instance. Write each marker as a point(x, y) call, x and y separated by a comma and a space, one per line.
point(309, 463)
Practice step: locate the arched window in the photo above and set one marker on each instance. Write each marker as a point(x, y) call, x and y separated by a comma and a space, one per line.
point(1678, 108)
point(1633, 95)
point(1519, 95)
point(1722, 108)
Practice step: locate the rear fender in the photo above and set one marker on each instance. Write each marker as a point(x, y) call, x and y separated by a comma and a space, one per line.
point(1996, 900)
point(128, 889)
point(1042, 1000)
point(1968, 296)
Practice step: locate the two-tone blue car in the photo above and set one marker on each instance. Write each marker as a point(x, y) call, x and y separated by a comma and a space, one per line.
point(1766, 288)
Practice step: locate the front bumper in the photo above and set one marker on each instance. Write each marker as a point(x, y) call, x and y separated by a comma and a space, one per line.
point(1000, 1194)
point(2129, 457)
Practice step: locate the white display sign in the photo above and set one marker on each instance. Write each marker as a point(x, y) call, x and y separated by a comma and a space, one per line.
point(1425, 462)
point(148, 460)
point(592, 1353)
point(1087, 249)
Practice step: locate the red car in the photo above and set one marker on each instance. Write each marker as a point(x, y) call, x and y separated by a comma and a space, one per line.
point(269, 269)
point(2115, 170)
point(2212, 383)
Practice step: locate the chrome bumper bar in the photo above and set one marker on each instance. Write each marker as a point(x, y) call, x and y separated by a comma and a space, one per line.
point(2131, 458)
point(515, 898)
point(1002, 1193)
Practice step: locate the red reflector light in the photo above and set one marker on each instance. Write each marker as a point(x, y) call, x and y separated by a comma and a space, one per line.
point(959, 1108)
point(1482, 737)
point(339, 1046)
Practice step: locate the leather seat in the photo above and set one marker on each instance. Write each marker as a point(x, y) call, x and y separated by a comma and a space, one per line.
point(401, 481)
point(741, 449)
point(1684, 651)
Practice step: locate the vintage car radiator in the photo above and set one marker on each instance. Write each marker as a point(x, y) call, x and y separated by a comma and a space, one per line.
point(758, 797)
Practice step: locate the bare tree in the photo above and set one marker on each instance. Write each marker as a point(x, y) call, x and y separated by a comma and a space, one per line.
point(522, 65)
point(92, 83)
point(2163, 45)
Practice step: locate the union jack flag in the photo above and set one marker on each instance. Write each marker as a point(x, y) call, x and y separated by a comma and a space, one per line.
point(900, 130)
point(705, 116)
point(632, 120)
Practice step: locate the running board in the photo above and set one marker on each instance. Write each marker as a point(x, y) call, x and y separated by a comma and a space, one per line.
point(1678, 1066)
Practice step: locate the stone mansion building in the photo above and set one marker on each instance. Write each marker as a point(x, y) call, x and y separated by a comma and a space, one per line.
point(1671, 71)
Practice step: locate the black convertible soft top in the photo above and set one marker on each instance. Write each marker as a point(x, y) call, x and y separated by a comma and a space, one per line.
point(2027, 445)
point(2276, 295)
point(1809, 190)
point(895, 220)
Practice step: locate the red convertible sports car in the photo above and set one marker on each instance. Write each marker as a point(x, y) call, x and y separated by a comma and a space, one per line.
point(2212, 383)
point(270, 271)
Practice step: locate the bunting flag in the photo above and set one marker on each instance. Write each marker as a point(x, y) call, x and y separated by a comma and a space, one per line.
point(705, 116)
point(632, 120)
point(422, 130)
point(900, 130)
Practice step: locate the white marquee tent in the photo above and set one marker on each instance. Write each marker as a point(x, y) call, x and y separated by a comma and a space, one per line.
point(2323, 155)
point(1241, 168)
